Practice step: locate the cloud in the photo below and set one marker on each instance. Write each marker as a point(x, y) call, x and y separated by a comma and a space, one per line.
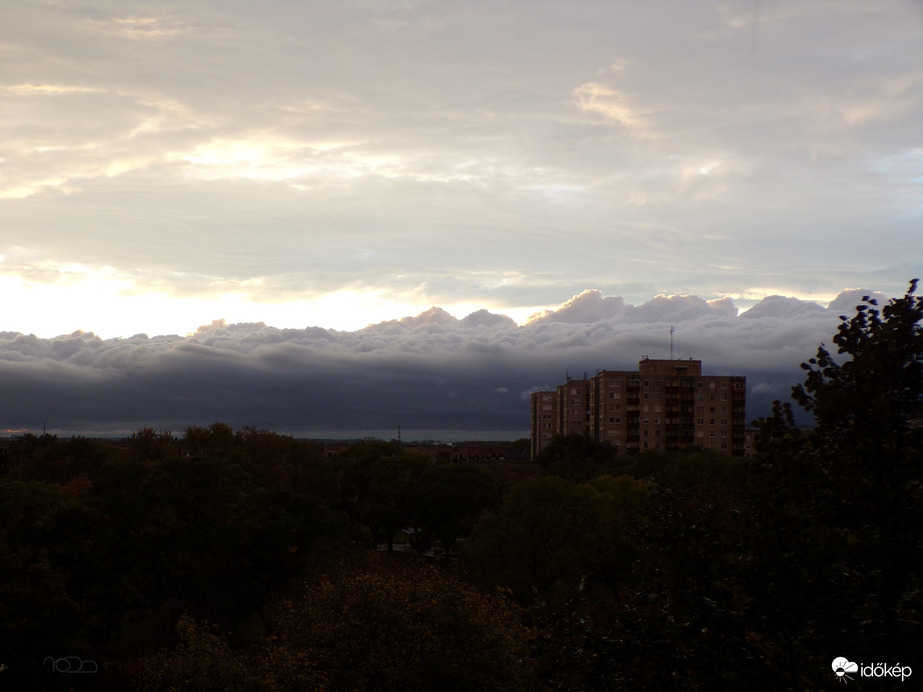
point(846, 302)
point(588, 306)
point(422, 152)
point(781, 307)
point(432, 374)
point(610, 103)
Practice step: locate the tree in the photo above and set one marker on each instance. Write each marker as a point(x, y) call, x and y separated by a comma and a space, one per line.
point(200, 662)
point(577, 457)
point(550, 532)
point(870, 407)
point(453, 496)
point(149, 445)
point(217, 441)
point(392, 497)
point(862, 464)
point(398, 625)
point(37, 612)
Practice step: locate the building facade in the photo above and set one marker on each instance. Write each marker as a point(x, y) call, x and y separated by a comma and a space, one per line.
point(663, 405)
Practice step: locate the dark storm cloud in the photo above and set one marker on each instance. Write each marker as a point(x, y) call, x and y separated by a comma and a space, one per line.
point(431, 373)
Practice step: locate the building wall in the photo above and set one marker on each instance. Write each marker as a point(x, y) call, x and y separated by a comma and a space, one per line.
point(614, 406)
point(573, 406)
point(544, 420)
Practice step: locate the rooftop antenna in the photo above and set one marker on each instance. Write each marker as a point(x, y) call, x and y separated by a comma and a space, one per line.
point(671, 341)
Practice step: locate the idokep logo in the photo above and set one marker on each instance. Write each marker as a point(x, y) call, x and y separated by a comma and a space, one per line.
point(842, 667)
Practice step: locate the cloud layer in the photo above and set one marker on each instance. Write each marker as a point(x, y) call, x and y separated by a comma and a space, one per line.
point(201, 160)
point(432, 375)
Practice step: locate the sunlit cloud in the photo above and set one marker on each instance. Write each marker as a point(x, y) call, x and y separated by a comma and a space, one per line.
point(47, 89)
point(593, 97)
point(147, 27)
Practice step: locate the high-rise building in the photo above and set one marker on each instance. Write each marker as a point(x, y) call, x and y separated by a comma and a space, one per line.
point(544, 420)
point(665, 404)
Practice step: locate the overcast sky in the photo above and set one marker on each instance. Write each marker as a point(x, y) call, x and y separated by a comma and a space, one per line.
point(164, 165)
point(336, 164)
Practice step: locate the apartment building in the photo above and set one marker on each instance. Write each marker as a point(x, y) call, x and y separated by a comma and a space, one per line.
point(544, 418)
point(664, 404)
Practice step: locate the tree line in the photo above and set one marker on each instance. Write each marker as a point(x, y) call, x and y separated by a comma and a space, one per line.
point(249, 560)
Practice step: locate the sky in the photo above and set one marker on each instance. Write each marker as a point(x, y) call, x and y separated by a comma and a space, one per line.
point(171, 172)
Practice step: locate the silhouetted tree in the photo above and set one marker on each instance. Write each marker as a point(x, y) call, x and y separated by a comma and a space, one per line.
point(577, 457)
point(869, 441)
point(839, 507)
